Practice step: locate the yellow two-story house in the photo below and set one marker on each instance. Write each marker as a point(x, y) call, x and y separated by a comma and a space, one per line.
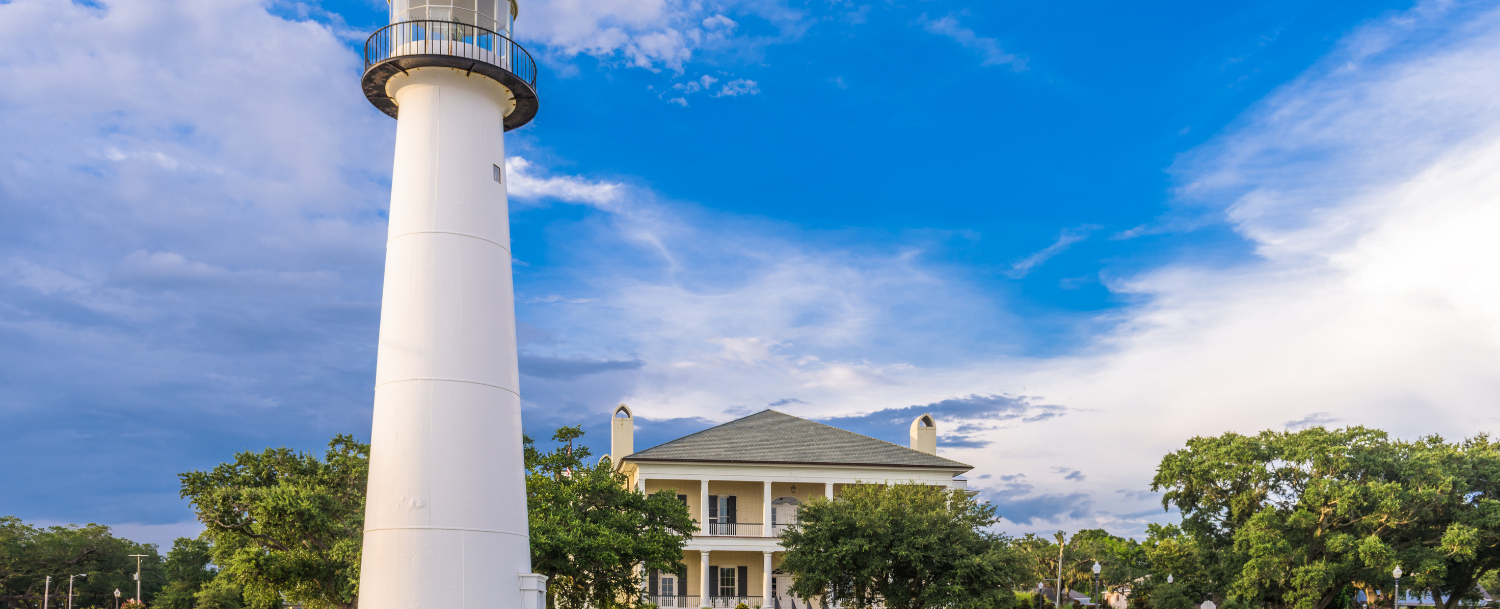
point(743, 482)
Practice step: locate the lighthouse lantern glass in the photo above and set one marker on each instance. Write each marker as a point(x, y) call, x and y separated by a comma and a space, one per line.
point(493, 15)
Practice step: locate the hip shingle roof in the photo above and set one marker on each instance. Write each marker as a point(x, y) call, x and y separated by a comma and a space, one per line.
point(773, 437)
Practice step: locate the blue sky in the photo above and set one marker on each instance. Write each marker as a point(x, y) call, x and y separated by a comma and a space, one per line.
point(1078, 234)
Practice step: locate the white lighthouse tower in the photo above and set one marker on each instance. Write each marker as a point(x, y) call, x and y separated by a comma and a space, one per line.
point(445, 519)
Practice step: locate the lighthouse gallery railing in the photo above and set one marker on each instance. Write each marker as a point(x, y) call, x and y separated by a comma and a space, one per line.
point(429, 37)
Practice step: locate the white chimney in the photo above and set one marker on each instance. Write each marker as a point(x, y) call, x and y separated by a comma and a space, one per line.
point(924, 435)
point(622, 434)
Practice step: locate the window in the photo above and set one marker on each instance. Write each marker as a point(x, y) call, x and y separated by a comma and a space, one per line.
point(727, 584)
point(668, 586)
point(721, 514)
point(497, 173)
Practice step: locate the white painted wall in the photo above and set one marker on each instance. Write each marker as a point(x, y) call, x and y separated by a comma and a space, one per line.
point(445, 523)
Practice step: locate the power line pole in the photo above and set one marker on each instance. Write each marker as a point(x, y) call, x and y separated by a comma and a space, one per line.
point(137, 577)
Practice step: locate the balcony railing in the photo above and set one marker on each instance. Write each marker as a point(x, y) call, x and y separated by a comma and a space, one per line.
point(429, 37)
point(686, 602)
point(733, 601)
point(691, 602)
point(733, 529)
point(778, 528)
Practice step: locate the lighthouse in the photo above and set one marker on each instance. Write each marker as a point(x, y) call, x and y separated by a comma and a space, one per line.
point(445, 514)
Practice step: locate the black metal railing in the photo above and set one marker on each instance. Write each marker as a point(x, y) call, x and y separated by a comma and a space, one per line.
point(429, 37)
point(729, 602)
point(674, 602)
point(740, 529)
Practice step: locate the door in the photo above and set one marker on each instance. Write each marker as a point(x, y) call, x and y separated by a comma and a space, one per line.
point(783, 513)
point(780, 583)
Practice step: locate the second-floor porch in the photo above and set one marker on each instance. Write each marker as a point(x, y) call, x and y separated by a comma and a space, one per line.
point(739, 508)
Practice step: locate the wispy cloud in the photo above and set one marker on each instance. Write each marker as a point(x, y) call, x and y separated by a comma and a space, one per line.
point(987, 48)
point(523, 185)
point(1065, 239)
point(1312, 420)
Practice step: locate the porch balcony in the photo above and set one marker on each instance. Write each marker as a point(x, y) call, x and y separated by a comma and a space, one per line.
point(740, 508)
point(691, 602)
point(733, 529)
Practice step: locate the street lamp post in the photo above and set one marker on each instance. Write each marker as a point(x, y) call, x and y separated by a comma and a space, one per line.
point(1396, 598)
point(138, 577)
point(1097, 569)
point(117, 598)
point(70, 588)
point(1058, 597)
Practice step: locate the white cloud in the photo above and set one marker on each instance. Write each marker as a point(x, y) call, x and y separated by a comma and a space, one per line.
point(737, 87)
point(527, 187)
point(1066, 238)
point(651, 34)
point(988, 48)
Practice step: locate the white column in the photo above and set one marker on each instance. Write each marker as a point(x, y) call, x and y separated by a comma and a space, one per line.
point(765, 584)
point(640, 483)
point(703, 579)
point(765, 514)
point(445, 515)
point(703, 527)
point(829, 488)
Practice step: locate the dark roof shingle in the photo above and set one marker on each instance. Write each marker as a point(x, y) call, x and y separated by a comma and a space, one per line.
point(773, 437)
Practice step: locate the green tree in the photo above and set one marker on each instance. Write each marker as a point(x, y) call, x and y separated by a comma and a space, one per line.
point(589, 531)
point(219, 593)
point(1121, 560)
point(903, 546)
point(1456, 540)
point(1293, 519)
point(29, 554)
point(1170, 596)
point(282, 522)
point(1171, 553)
point(187, 570)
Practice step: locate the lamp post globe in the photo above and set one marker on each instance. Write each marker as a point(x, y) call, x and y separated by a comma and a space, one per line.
point(1097, 569)
point(117, 598)
point(1169, 578)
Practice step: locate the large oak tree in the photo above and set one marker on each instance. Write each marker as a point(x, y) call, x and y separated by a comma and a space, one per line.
point(1298, 518)
point(902, 546)
point(590, 532)
point(283, 522)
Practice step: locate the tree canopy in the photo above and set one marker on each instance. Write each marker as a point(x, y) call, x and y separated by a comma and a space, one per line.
point(589, 531)
point(1297, 519)
point(29, 554)
point(192, 583)
point(902, 546)
point(282, 522)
